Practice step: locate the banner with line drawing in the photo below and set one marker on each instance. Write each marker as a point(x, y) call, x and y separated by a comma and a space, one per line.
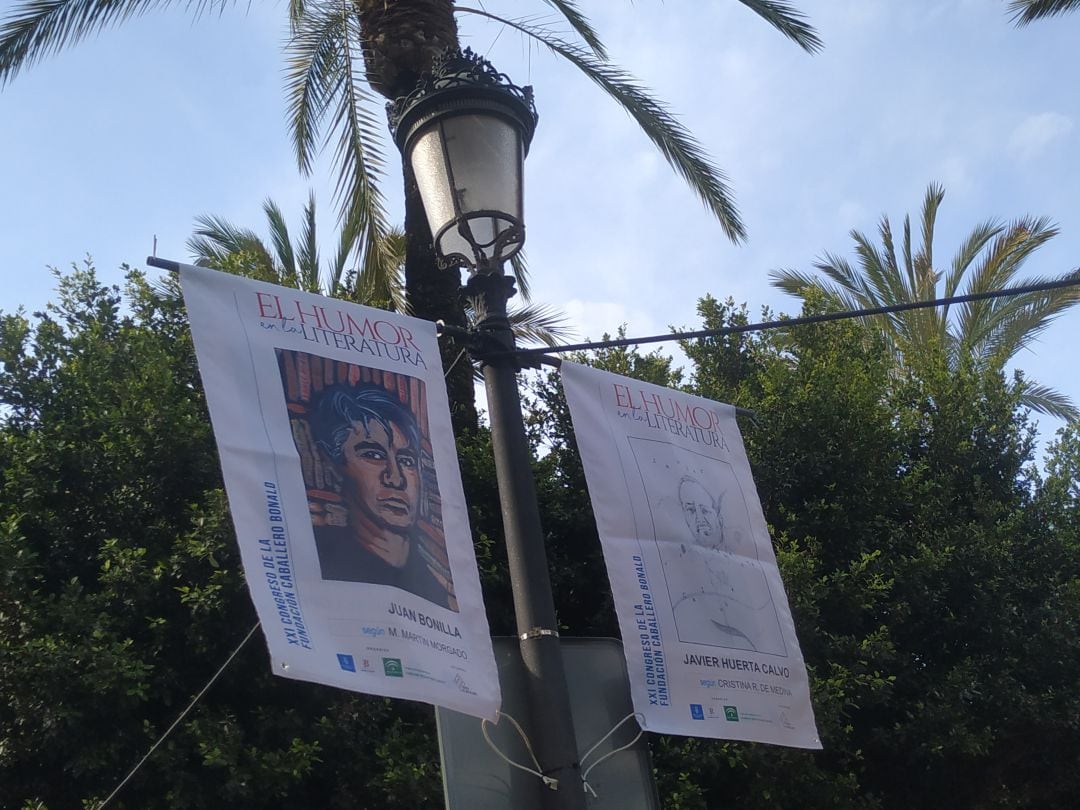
point(709, 640)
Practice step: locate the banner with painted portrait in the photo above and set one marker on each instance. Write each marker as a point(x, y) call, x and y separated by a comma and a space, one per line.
point(708, 635)
point(333, 428)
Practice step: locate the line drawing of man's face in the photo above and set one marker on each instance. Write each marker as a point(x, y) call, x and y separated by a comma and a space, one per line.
point(701, 514)
point(382, 472)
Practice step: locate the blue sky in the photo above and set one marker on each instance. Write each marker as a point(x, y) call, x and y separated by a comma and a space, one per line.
point(132, 134)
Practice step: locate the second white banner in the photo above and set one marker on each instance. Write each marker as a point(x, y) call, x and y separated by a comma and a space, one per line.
point(709, 639)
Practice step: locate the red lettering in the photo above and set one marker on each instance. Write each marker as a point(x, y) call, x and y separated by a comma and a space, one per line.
point(407, 337)
point(654, 399)
point(680, 414)
point(622, 393)
point(264, 305)
point(696, 418)
point(326, 320)
point(355, 328)
point(394, 338)
point(305, 315)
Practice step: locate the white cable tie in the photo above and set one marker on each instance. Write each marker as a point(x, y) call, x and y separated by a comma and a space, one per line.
point(585, 773)
point(549, 781)
point(538, 632)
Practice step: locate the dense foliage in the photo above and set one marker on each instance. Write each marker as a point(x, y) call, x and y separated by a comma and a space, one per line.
point(934, 575)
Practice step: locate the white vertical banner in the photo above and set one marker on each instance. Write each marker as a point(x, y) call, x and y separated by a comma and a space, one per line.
point(334, 433)
point(709, 640)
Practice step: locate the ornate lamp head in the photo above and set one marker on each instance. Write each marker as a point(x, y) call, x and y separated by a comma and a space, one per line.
point(465, 130)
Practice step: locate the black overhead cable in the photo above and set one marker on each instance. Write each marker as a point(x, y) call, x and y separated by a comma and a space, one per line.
point(1072, 281)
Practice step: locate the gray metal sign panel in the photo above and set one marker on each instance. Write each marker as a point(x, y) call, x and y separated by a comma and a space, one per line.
point(475, 778)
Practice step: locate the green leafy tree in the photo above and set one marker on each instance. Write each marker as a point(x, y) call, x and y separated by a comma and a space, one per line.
point(121, 591)
point(927, 566)
point(934, 578)
point(985, 333)
point(924, 575)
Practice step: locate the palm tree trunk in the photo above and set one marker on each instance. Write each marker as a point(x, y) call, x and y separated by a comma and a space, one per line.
point(401, 39)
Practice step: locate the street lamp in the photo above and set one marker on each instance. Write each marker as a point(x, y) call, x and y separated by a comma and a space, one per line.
point(465, 130)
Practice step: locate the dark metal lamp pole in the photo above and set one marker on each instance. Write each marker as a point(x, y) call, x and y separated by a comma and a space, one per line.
point(465, 130)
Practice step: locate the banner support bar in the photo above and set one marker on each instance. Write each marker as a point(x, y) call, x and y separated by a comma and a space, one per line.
point(163, 264)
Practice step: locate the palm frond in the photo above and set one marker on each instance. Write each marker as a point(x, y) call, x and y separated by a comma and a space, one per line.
point(580, 24)
point(681, 150)
point(216, 240)
point(1046, 400)
point(909, 260)
point(836, 296)
point(540, 323)
point(1023, 318)
point(314, 64)
point(382, 272)
point(1009, 250)
point(841, 271)
point(997, 270)
point(307, 263)
point(788, 21)
point(338, 285)
point(326, 78)
point(281, 239)
point(35, 29)
point(923, 329)
point(791, 281)
point(924, 259)
point(1028, 11)
point(297, 10)
point(985, 333)
point(887, 288)
point(358, 156)
point(968, 252)
point(888, 255)
point(382, 262)
point(520, 268)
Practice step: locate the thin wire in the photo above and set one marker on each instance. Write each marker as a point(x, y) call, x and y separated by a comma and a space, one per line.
point(1073, 281)
point(456, 359)
point(178, 720)
point(550, 781)
point(585, 756)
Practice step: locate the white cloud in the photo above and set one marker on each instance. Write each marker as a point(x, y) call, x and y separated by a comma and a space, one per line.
point(1036, 132)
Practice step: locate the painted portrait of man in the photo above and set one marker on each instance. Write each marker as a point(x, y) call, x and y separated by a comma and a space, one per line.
point(370, 483)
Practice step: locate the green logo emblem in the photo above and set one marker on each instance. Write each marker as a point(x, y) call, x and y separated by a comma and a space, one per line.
point(730, 712)
point(392, 668)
